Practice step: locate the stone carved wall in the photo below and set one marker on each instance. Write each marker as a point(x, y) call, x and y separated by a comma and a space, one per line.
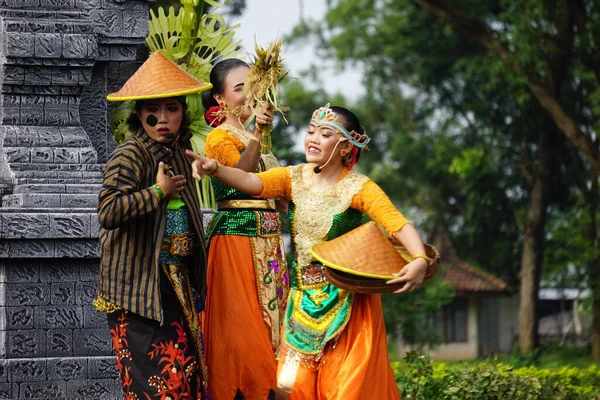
point(58, 60)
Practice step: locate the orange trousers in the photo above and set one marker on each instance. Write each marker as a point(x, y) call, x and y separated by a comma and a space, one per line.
point(238, 348)
point(356, 368)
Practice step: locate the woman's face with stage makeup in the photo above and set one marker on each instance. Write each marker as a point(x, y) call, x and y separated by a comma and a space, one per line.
point(319, 143)
point(161, 118)
point(233, 95)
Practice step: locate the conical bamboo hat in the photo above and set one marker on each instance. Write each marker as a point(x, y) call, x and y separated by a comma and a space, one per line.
point(364, 251)
point(364, 259)
point(158, 78)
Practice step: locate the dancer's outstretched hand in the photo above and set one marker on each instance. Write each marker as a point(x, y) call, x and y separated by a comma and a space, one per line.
point(201, 165)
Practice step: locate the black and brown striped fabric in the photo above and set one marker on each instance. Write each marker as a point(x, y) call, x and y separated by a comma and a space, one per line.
point(132, 223)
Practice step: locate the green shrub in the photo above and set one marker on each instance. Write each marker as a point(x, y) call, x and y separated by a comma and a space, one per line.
point(421, 379)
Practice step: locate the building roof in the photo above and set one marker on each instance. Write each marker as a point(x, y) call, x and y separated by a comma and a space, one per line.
point(466, 278)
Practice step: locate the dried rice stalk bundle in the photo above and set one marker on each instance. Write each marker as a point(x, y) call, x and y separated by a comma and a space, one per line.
point(261, 86)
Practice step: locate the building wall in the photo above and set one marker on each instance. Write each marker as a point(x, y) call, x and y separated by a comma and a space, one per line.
point(467, 350)
point(509, 323)
point(463, 351)
point(58, 58)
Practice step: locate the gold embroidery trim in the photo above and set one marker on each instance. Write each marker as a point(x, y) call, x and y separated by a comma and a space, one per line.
point(301, 283)
point(104, 306)
point(250, 204)
point(316, 206)
point(178, 276)
point(259, 221)
point(317, 324)
point(179, 244)
point(263, 249)
point(312, 359)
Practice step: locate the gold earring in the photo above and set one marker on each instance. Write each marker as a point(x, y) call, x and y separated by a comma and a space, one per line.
point(347, 158)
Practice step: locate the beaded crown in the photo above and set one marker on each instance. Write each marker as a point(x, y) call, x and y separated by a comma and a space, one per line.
point(326, 116)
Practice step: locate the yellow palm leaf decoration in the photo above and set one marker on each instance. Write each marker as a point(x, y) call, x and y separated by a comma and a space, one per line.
point(262, 83)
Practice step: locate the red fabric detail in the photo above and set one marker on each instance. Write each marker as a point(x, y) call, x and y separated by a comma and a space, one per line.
point(354, 152)
point(211, 116)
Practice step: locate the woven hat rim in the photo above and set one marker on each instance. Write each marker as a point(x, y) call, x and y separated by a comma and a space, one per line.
point(358, 284)
point(335, 253)
point(343, 269)
point(206, 86)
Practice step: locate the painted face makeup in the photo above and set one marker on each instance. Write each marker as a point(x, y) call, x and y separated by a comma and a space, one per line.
point(161, 119)
point(152, 120)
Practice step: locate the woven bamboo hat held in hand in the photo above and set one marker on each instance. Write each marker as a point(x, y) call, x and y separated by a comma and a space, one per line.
point(157, 78)
point(363, 259)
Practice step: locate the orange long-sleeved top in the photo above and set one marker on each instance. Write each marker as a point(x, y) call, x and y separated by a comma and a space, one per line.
point(223, 147)
point(371, 199)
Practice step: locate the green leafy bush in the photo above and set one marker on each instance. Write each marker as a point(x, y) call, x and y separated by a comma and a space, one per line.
point(421, 379)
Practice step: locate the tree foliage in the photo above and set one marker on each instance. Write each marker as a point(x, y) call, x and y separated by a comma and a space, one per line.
point(476, 109)
point(440, 149)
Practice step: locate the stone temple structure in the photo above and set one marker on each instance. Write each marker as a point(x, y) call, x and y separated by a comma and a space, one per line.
point(58, 60)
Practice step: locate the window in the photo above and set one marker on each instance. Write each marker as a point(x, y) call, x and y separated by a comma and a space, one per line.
point(451, 321)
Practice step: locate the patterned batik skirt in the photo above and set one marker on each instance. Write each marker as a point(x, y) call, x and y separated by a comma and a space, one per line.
point(160, 361)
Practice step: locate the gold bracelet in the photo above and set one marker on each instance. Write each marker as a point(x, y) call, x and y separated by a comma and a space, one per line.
point(217, 168)
point(424, 257)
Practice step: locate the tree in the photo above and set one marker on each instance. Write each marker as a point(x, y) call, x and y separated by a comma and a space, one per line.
point(552, 48)
point(560, 33)
point(491, 120)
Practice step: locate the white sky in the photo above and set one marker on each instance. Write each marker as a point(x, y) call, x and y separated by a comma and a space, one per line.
point(265, 20)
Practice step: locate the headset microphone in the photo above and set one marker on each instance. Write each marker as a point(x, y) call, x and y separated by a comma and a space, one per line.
point(317, 169)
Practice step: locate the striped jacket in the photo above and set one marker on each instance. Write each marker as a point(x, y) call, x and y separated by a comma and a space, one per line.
point(132, 224)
